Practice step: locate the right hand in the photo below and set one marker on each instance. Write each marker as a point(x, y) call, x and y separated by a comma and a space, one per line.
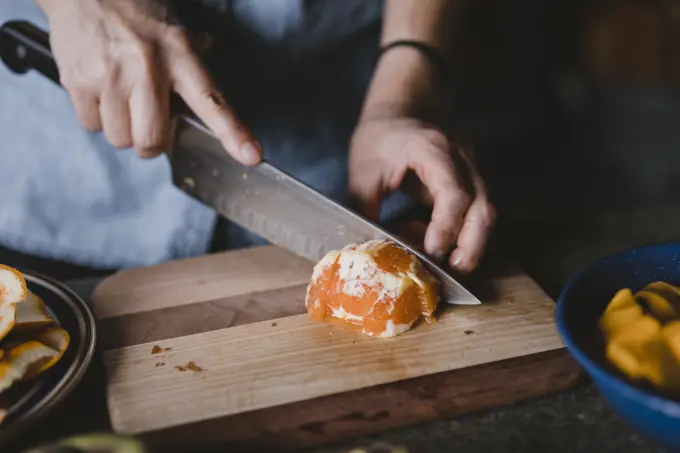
point(120, 60)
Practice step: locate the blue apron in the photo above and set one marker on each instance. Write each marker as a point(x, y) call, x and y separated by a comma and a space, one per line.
point(303, 67)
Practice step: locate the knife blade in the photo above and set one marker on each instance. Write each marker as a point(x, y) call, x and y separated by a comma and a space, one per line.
point(277, 206)
point(262, 199)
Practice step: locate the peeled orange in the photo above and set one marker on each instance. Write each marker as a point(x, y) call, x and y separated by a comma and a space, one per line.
point(377, 286)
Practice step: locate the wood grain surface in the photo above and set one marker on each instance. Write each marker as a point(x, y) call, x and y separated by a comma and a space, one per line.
point(217, 351)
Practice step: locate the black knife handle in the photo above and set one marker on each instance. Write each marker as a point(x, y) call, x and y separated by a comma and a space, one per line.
point(25, 47)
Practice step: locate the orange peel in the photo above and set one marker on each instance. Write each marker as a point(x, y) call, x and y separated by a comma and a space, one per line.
point(12, 286)
point(32, 314)
point(7, 319)
point(20, 359)
point(56, 339)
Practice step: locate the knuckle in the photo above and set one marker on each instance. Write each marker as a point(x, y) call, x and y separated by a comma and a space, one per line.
point(112, 79)
point(435, 138)
point(433, 141)
point(489, 213)
point(177, 39)
point(138, 46)
point(144, 54)
point(461, 198)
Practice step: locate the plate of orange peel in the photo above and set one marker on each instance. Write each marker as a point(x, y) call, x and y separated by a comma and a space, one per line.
point(47, 341)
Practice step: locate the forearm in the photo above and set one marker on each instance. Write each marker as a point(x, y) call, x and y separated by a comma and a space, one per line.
point(405, 80)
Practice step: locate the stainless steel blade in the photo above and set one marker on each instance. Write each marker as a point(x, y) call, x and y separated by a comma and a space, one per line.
point(277, 206)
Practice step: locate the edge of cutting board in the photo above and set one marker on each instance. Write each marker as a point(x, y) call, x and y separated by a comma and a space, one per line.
point(370, 410)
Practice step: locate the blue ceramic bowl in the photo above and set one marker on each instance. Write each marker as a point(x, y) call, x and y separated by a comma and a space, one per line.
point(580, 305)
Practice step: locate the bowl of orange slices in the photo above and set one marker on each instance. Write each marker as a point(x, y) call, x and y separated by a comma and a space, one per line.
point(620, 319)
point(47, 341)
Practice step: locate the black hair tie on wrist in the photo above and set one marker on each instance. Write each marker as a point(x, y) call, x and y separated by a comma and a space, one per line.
point(429, 51)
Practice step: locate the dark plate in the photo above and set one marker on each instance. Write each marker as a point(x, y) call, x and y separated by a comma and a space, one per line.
point(40, 397)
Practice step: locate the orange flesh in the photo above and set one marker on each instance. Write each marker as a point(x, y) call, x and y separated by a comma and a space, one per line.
point(374, 291)
point(643, 345)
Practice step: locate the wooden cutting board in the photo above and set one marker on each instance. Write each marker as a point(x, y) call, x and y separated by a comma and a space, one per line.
point(217, 350)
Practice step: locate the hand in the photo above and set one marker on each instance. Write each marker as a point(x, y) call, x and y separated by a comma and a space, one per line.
point(392, 152)
point(120, 59)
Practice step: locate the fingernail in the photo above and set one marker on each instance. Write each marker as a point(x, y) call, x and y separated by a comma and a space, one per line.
point(434, 247)
point(250, 153)
point(458, 263)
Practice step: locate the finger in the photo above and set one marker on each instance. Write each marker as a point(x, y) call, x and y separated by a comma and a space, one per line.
point(478, 225)
point(195, 86)
point(87, 109)
point(365, 195)
point(150, 118)
point(451, 201)
point(115, 115)
point(474, 236)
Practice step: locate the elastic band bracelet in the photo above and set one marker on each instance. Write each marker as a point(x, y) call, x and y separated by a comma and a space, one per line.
point(430, 52)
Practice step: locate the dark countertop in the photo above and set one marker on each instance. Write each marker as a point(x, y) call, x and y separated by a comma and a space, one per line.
point(570, 422)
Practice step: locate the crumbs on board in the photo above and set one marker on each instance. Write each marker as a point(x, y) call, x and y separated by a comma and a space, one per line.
point(191, 366)
point(157, 349)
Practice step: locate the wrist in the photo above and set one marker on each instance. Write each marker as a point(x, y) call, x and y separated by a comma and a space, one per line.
point(406, 82)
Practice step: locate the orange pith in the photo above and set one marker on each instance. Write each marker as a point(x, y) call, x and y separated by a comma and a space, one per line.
point(377, 286)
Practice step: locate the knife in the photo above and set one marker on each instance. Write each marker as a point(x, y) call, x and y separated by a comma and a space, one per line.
point(261, 198)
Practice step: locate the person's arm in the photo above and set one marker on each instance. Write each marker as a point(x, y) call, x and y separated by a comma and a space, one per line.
point(399, 135)
point(406, 81)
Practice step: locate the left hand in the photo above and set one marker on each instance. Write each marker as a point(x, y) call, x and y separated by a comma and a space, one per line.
point(391, 152)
